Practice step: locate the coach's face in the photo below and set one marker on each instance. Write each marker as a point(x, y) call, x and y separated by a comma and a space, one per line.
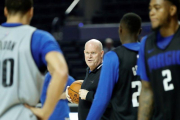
point(93, 55)
point(159, 13)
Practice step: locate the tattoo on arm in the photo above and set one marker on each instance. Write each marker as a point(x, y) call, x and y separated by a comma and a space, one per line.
point(145, 102)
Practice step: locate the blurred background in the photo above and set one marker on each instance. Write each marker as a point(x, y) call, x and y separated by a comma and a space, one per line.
point(89, 19)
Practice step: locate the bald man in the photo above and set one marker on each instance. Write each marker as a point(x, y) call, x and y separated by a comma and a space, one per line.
point(93, 53)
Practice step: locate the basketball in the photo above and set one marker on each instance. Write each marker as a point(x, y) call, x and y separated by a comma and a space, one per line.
point(73, 91)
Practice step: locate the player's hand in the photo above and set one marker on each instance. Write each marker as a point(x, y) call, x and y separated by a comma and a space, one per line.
point(83, 93)
point(63, 96)
point(67, 96)
point(37, 111)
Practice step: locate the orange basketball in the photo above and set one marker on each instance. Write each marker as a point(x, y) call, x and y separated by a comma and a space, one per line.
point(73, 91)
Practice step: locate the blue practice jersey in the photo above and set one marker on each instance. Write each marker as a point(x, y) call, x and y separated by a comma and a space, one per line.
point(23, 49)
point(160, 65)
point(108, 78)
point(42, 42)
point(62, 109)
point(162, 42)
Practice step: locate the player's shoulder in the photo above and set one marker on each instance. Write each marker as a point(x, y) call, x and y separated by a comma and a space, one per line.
point(151, 36)
point(43, 34)
point(110, 53)
point(25, 29)
point(144, 39)
point(111, 56)
point(70, 78)
point(143, 42)
point(121, 48)
point(117, 48)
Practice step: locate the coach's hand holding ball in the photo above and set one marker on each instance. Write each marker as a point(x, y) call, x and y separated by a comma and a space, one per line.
point(72, 91)
point(83, 93)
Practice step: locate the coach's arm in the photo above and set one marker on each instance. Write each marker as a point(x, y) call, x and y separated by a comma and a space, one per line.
point(145, 102)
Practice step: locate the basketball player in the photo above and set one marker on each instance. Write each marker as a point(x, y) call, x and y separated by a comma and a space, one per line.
point(61, 112)
point(119, 86)
point(160, 63)
point(24, 54)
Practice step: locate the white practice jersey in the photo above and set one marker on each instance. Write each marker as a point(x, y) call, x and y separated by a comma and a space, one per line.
point(20, 79)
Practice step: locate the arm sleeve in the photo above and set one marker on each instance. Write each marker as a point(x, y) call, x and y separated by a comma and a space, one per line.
point(45, 87)
point(141, 61)
point(42, 43)
point(90, 96)
point(108, 78)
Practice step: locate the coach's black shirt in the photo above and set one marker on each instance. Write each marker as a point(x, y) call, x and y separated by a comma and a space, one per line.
point(90, 83)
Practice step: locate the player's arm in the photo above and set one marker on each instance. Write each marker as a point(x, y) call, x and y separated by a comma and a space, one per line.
point(146, 96)
point(69, 82)
point(145, 102)
point(57, 63)
point(46, 52)
point(62, 96)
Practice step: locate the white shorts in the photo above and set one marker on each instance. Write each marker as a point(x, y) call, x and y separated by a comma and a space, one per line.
point(18, 112)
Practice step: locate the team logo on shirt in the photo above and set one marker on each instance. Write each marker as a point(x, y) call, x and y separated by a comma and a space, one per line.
point(164, 59)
